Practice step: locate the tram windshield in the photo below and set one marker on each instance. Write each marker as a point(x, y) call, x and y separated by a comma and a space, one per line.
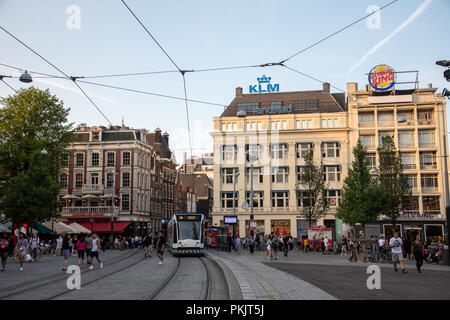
point(189, 230)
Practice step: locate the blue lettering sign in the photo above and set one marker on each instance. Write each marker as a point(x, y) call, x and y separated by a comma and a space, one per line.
point(261, 89)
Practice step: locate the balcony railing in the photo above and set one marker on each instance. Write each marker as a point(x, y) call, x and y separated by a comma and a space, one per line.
point(93, 188)
point(89, 211)
point(430, 189)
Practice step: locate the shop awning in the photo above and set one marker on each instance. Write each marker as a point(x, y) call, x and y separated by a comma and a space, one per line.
point(42, 229)
point(79, 228)
point(105, 227)
point(60, 227)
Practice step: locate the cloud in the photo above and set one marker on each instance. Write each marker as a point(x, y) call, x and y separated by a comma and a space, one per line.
point(74, 90)
point(411, 18)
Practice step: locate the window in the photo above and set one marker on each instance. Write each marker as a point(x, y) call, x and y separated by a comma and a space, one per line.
point(278, 125)
point(109, 180)
point(406, 139)
point(307, 104)
point(228, 175)
point(126, 158)
point(425, 116)
point(79, 162)
point(299, 171)
point(248, 106)
point(411, 203)
point(95, 159)
point(431, 203)
point(385, 118)
point(332, 173)
point(229, 152)
point(382, 134)
point(405, 117)
point(408, 160)
point(371, 160)
point(330, 149)
point(94, 178)
point(365, 119)
point(78, 180)
point(125, 202)
point(412, 181)
point(65, 160)
point(304, 124)
point(303, 149)
point(280, 174)
point(305, 199)
point(367, 141)
point(279, 150)
point(227, 199)
point(329, 123)
point(110, 159)
point(251, 126)
point(426, 138)
point(428, 160)
point(429, 182)
point(280, 199)
point(63, 181)
point(257, 175)
point(253, 152)
point(125, 179)
point(258, 198)
point(332, 197)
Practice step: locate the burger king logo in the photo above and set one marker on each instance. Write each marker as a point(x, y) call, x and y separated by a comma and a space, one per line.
point(382, 77)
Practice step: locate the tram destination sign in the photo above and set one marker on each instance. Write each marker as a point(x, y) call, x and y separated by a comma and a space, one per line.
point(187, 217)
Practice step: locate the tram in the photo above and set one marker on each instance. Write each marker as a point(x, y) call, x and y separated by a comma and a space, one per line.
point(185, 234)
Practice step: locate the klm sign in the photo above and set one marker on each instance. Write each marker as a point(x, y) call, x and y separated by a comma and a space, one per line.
point(263, 86)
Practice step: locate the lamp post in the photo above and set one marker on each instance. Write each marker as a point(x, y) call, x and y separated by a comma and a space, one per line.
point(235, 175)
point(113, 196)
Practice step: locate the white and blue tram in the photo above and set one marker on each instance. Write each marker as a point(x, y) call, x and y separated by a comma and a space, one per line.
point(185, 234)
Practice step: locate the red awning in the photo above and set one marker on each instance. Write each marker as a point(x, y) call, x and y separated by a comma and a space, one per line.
point(105, 227)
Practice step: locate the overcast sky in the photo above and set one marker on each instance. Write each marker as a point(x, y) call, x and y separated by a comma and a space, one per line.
point(198, 34)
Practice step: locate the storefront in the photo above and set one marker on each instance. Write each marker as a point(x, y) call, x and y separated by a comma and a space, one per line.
point(259, 227)
point(281, 227)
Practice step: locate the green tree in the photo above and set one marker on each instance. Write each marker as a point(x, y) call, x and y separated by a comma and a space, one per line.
point(361, 195)
point(311, 189)
point(395, 187)
point(31, 121)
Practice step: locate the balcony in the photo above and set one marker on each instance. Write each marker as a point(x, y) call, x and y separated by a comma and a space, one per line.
point(93, 188)
point(430, 189)
point(89, 211)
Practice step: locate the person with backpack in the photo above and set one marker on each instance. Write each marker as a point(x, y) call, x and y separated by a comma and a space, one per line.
point(34, 247)
point(4, 250)
point(22, 248)
point(275, 244)
point(66, 248)
point(147, 246)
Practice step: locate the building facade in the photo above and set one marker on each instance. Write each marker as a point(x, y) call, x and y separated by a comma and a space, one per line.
point(279, 128)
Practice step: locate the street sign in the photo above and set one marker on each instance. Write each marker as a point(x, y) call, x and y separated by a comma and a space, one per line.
point(245, 205)
point(253, 225)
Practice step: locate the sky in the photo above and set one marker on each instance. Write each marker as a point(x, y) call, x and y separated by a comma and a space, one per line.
point(87, 38)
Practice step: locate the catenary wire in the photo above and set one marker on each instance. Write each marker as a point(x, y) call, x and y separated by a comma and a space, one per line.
point(6, 83)
point(55, 67)
point(338, 31)
point(311, 77)
point(187, 113)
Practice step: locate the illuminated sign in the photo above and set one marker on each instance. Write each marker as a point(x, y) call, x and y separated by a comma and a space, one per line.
point(260, 88)
point(230, 219)
point(382, 77)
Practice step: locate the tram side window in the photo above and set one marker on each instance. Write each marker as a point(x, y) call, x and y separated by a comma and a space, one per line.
point(175, 238)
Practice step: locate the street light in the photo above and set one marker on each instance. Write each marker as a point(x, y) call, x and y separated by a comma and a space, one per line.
point(113, 196)
point(236, 174)
point(25, 77)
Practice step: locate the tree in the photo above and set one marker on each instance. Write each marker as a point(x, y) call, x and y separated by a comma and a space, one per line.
point(395, 187)
point(31, 121)
point(360, 201)
point(310, 190)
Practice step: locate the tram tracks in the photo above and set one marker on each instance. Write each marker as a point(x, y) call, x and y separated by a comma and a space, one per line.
point(27, 286)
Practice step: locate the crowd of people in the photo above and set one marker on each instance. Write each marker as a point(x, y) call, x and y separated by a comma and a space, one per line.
point(85, 247)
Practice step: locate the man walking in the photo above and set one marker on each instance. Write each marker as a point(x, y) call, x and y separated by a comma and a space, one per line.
point(94, 251)
point(160, 244)
point(286, 242)
point(238, 245)
point(148, 246)
point(397, 255)
point(88, 249)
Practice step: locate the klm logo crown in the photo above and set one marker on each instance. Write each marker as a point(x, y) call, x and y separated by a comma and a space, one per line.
point(264, 79)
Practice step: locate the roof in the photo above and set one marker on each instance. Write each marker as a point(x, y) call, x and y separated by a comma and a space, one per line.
point(161, 148)
point(117, 136)
point(301, 101)
point(201, 184)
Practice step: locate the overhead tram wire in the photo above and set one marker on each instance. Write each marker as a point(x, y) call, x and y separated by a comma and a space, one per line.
point(6, 83)
point(55, 67)
point(338, 31)
point(311, 77)
point(187, 112)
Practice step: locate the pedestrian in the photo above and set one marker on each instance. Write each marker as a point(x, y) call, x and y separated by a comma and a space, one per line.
point(229, 242)
point(148, 246)
point(11, 246)
point(94, 251)
point(116, 243)
point(344, 246)
point(104, 243)
point(74, 245)
point(305, 244)
point(326, 244)
point(161, 243)
point(417, 250)
point(397, 255)
point(238, 245)
point(81, 248)
point(22, 248)
point(252, 243)
point(286, 243)
point(59, 242)
point(34, 247)
point(88, 249)
point(4, 249)
point(66, 248)
point(269, 247)
point(275, 244)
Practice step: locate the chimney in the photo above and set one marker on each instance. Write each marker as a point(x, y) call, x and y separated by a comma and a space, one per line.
point(352, 86)
point(158, 135)
point(166, 137)
point(430, 85)
point(238, 92)
point(326, 87)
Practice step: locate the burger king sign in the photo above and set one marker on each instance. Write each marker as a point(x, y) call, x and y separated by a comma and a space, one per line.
point(382, 77)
